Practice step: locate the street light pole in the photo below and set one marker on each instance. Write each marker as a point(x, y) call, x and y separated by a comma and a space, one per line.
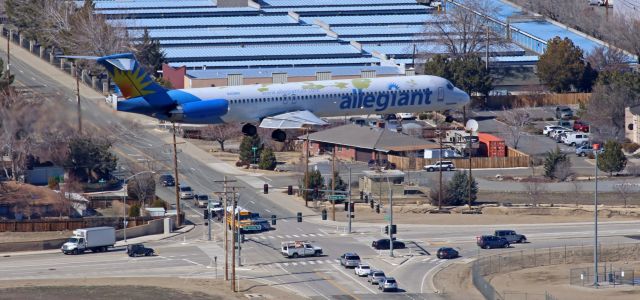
point(390, 221)
point(595, 220)
point(350, 203)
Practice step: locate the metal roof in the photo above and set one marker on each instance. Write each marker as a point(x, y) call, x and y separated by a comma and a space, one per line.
point(247, 41)
point(319, 3)
point(346, 10)
point(152, 4)
point(417, 19)
point(181, 12)
point(205, 22)
point(262, 52)
point(294, 72)
point(232, 32)
point(355, 61)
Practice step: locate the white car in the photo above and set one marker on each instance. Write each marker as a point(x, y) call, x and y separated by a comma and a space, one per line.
point(547, 129)
point(576, 138)
point(554, 133)
point(363, 270)
point(186, 192)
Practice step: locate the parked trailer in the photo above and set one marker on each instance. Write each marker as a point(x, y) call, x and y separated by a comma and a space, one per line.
point(96, 239)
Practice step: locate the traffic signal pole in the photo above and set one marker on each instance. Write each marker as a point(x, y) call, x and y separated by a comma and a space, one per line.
point(349, 200)
point(390, 223)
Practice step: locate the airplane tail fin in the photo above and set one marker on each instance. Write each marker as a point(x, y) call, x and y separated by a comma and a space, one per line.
point(132, 80)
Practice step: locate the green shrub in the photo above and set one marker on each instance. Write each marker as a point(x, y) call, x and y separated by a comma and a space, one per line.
point(134, 210)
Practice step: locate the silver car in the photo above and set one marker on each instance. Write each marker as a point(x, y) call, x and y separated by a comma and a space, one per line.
point(388, 284)
point(375, 276)
point(350, 260)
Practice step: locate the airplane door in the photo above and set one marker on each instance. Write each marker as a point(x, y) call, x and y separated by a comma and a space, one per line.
point(440, 94)
point(293, 99)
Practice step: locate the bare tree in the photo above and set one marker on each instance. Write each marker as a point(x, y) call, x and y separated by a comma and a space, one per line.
point(563, 170)
point(221, 133)
point(605, 110)
point(626, 190)
point(576, 190)
point(608, 59)
point(463, 30)
point(142, 186)
point(534, 189)
point(516, 120)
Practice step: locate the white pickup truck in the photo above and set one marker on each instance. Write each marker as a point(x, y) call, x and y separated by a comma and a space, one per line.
point(299, 248)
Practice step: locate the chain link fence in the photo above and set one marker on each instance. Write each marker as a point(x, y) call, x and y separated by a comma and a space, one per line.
point(531, 258)
point(608, 276)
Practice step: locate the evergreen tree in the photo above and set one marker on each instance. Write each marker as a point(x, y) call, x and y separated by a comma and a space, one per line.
point(246, 149)
point(439, 65)
point(90, 159)
point(561, 67)
point(458, 189)
point(134, 210)
point(341, 185)
point(149, 54)
point(316, 181)
point(612, 158)
point(466, 72)
point(267, 160)
point(553, 161)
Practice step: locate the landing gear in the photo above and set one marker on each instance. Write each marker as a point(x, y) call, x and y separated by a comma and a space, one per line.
point(249, 130)
point(279, 135)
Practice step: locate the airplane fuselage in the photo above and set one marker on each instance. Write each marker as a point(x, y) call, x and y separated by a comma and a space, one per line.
point(385, 95)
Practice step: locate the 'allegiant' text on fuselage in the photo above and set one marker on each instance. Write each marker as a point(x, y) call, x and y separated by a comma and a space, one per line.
point(382, 100)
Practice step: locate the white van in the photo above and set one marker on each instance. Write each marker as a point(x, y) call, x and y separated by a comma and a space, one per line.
point(575, 138)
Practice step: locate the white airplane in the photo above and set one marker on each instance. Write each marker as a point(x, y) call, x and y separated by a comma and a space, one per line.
point(277, 106)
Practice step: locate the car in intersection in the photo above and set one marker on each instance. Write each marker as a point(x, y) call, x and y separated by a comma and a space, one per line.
point(349, 260)
point(383, 244)
point(362, 270)
point(491, 241)
point(388, 284)
point(134, 250)
point(447, 253)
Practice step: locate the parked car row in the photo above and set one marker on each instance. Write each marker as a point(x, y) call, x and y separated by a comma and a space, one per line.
point(571, 137)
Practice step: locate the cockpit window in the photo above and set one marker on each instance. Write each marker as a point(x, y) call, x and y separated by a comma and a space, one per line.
point(449, 85)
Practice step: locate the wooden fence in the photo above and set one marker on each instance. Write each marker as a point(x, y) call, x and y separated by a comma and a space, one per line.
point(67, 224)
point(511, 101)
point(514, 159)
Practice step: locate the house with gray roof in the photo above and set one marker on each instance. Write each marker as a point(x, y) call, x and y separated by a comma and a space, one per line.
point(364, 143)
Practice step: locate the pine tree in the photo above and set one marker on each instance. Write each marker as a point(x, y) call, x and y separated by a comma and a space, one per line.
point(341, 185)
point(246, 149)
point(267, 160)
point(458, 190)
point(467, 72)
point(561, 67)
point(552, 161)
point(149, 54)
point(612, 158)
point(316, 181)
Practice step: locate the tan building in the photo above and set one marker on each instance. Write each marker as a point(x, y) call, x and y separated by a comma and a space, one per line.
point(631, 123)
point(377, 183)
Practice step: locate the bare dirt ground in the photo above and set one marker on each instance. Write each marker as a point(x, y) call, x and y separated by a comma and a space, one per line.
point(6, 237)
point(558, 198)
point(490, 215)
point(555, 280)
point(455, 283)
point(134, 288)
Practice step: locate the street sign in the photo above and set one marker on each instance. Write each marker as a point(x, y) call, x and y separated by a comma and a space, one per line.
point(337, 197)
point(386, 217)
point(252, 227)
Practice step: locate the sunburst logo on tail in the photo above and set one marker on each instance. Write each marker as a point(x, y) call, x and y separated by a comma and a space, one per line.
point(132, 83)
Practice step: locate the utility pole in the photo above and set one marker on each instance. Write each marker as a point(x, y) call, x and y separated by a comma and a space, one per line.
point(333, 183)
point(596, 148)
point(233, 238)
point(439, 131)
point(226, 226)
point(9, 53)
point(78, 98)
point(350, 203)
point(306, 171)
point(175, 173)
point(209, 218)
point(390, 221)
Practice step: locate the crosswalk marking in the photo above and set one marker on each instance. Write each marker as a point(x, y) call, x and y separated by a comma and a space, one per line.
point(294, 263)
point(304, 235)
point(271, 236)
point(311, 234)
point(311, 262)
point(281, 237)
point(295, 235)
point(286, 264)
point(303, 263)
point(328, 261)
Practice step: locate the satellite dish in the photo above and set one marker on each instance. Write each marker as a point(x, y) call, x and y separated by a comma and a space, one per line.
point(472, 125)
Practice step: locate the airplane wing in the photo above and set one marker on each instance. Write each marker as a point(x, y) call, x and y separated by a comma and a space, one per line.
point(292, 120)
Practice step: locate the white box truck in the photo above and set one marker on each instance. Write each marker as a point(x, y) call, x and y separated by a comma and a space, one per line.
point(96, 239)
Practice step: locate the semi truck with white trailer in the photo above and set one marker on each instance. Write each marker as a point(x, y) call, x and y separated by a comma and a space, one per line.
point(96, 239)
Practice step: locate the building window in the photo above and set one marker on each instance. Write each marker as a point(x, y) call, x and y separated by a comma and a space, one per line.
point(630, 126)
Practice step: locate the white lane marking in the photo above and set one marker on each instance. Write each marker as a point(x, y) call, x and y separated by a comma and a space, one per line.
point(304, 235)
point(285, 220)
point(264, 238)
point(311, 234)
point(297, 236)
point(311, 262)
point(278, 265)
point(286, 264)
point(271, 237)
point(193, 262)
point(304, 263)
point(294, 264)
point(357, 281)
point(253, 202)
point(280, 237)
point(267, 210)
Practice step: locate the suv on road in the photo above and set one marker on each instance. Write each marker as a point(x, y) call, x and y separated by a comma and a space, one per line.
point(375, 276)
point(388, 284)
point(383, 244)
point(167, 180)
point(445, 165)
point(186, 192)
point(349, 260)
point(511, 236)
point(492, 241)
point(139, 250)
point(447, 253)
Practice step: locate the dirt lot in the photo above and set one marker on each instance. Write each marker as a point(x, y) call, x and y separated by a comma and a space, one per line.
point(490, 215)
point(555, 280)
point(132, 288)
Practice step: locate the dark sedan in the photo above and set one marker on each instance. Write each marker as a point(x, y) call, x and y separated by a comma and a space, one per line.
point(383, 244)
point(447, 253)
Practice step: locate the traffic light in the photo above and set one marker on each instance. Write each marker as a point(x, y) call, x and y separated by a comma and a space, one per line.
point(299, 217)
point(371, 203)
point(353, 207)
point(206, 214)
point(377, 208)
point(266, 188)
point(290, 190)
point(346, 206)
point(324, 215)
point(361, 195)
point(273, 219)
point(366, 199)
point(393, 229)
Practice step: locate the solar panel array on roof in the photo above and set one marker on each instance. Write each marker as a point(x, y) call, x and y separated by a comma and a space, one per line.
point(151, 4)
point(278, 63)
point(320, 3)
point(300, 71)
point(416, 19)
point(205, 22)
point(233, 32)
point(262, 52)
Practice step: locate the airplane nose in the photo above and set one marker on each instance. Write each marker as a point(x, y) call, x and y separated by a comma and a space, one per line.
point(464, 98)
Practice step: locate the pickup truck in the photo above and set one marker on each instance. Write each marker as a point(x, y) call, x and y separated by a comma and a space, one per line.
point(511, 236)
point(580, 126)
point(297, 249)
